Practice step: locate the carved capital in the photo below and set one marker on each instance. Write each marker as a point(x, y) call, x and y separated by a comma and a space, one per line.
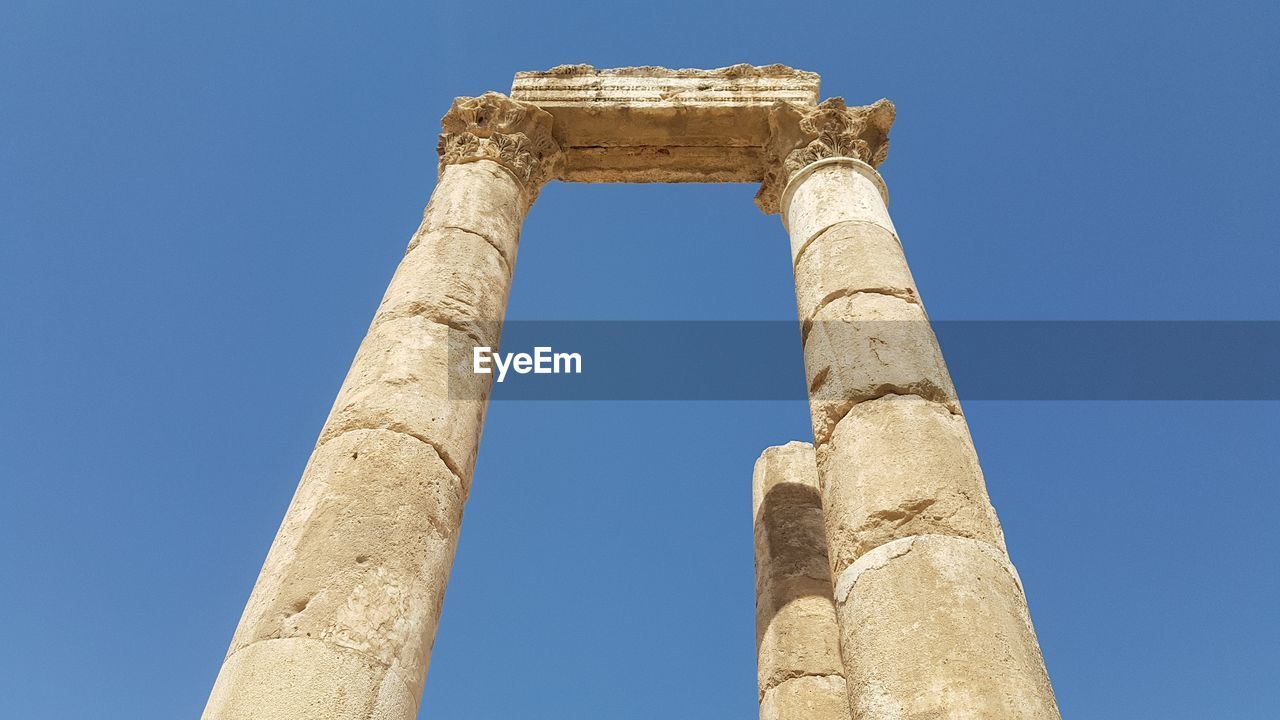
point(799, 137)
point(514, 134)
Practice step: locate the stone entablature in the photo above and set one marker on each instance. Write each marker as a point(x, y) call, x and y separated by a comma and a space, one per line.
point(650, 124)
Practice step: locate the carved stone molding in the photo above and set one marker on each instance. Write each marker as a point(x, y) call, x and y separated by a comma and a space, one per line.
point(801, 136)
point(514, 134)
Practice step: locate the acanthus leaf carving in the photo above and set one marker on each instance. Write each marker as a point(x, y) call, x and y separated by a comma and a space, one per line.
point(799, 137)
point(516, 135)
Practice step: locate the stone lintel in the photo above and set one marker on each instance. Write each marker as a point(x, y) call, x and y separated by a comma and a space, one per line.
point(651, 124)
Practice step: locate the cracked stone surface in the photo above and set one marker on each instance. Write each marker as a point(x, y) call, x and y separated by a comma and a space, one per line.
point(868, 345)
point(898, 466)
point(932, 619)
point(651, 124)
point(301, 678)
point(846, 259)
point(937, 628)
point(798, 658)
point(342, 619)
point(363, 556)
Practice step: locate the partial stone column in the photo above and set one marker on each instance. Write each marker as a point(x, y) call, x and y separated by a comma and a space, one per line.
point(933, 620)
point(343, 616)
point(797, 653)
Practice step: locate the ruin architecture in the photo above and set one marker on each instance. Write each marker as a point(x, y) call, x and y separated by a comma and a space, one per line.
point(884, 590)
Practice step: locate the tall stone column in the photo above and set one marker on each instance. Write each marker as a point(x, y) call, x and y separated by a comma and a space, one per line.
point(343, 616)
point(797, 652)
point(932, 616)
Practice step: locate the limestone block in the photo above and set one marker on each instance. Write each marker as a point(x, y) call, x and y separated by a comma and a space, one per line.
point(363, 555)
point(796, 631)
point(415, 376)
point(481, 197)
point(848, 258)
point(807, 698)
point(830, 192)
point(899, 466)
point(298, 678)
point(652, 124)
point(936, 628)
point(455, 278)
point(868, 345)
point(798, 638)
point(790, 539)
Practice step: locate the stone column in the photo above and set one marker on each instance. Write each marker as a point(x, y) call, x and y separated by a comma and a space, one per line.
point(343, 616)
point(797, 653)
point(933, 620)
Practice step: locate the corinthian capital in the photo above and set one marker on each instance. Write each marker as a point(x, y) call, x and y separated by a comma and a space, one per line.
point(798, 137)
point(514, 134)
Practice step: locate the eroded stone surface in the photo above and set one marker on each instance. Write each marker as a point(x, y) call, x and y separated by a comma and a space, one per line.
point(900, 466)
point(800, 136)
point(342, 619)
point(452, 277)
point(796, 635)
point(830, 192)
point(510, 133)
point(413, 375)
point(937, 629)
point(868, 345)
point(849, 258)
point(807, 698)
point(302, 678)
point(648, 124)
point(363, 556)
point(481, 198)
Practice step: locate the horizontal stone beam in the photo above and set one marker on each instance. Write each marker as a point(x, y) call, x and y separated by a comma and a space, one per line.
point(651, 124)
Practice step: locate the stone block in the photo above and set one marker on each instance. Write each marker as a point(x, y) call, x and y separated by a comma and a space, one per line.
point(899, 466)
point(848, 258)
point(307, 679)
point(651, 124)
point(481, 197)
point(830, 192)
point(415, 376)
point(868, 345)
point(455, 278)
point(806, 698)
point(363, 555)
point(936, 628)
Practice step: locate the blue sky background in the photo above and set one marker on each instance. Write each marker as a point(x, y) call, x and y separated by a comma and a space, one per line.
point(201, 206)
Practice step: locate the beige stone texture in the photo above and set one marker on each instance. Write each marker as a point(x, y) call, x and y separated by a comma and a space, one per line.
point(363, 556)
point(807, 698)
point(415, 376)
point(303, 679)
point(493, 128)
point(829, 192)
point(867, 345)
point(455, 278)
point(480, 197)
point(899, 466)
point(936, 628)
point(796, 634)
point(342, 619)
point(802, 140)
point(651, 124)
point(849, 258)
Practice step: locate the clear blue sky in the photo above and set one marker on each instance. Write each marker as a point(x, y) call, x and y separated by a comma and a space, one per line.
point(201, 206)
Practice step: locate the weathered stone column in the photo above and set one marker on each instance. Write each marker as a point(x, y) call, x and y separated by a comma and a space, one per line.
point(933, 619)
point(343, 616)
point(797, 652)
